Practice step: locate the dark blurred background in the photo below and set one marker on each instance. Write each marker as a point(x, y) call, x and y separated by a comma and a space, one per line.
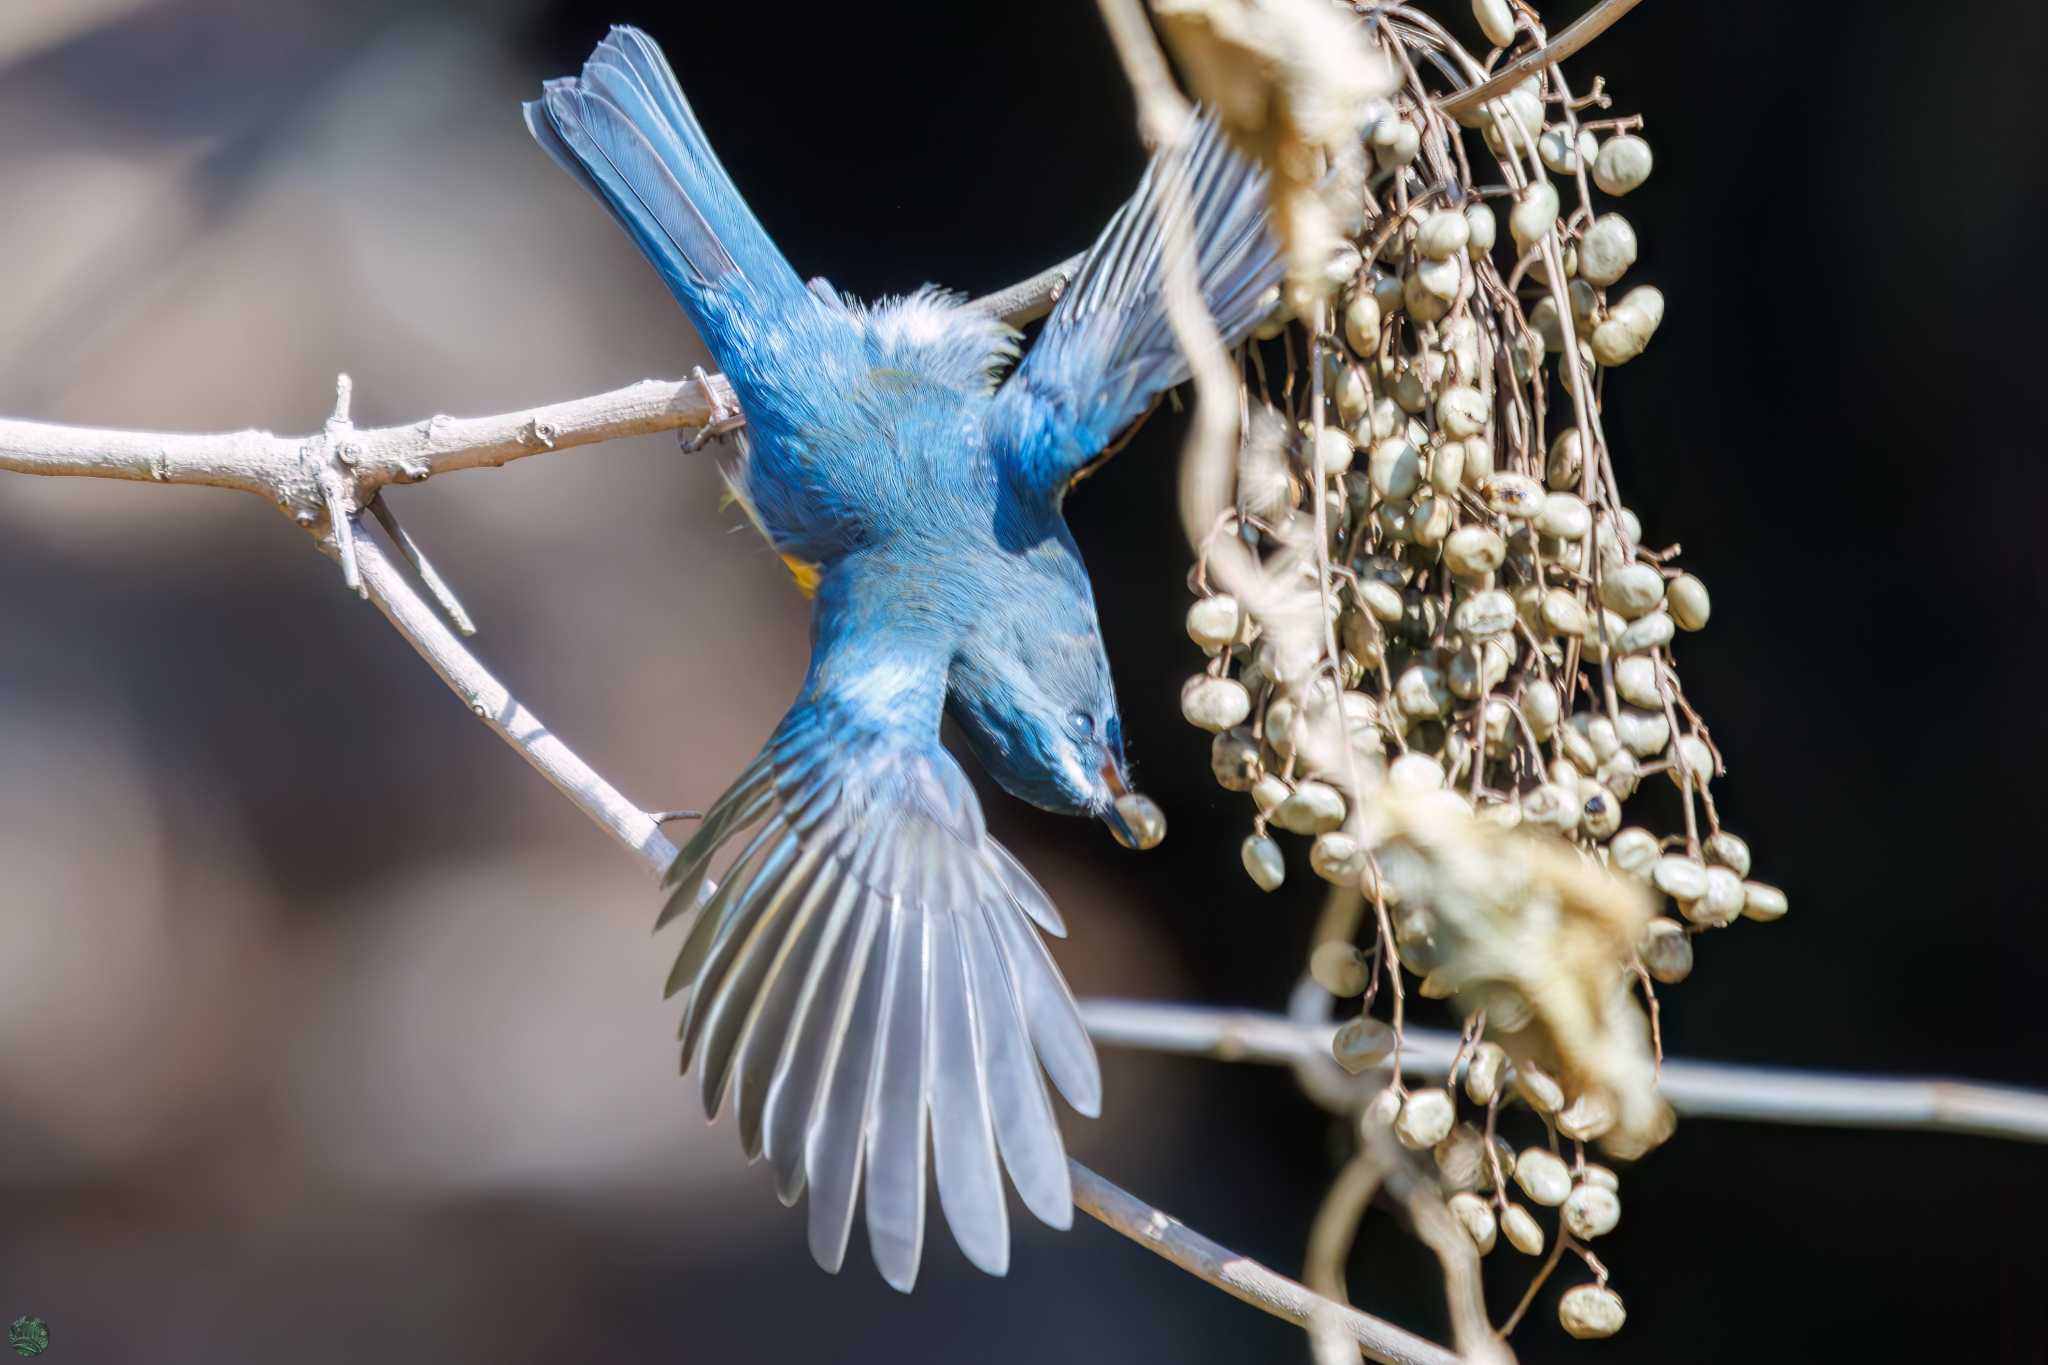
point(329, 1033)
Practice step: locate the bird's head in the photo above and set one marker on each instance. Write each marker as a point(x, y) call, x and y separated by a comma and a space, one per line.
point(1031, 690)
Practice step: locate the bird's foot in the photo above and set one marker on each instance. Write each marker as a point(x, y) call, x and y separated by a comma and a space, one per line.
point(724, 417)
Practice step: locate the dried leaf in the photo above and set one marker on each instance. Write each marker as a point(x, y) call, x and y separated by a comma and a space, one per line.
point(1295, 83)
point(1539, 935)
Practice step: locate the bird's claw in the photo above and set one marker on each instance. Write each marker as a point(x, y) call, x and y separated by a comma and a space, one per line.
point(720, 420)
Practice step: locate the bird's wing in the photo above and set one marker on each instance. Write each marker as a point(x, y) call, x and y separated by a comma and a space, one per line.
point(869, 962)
point(1108, 348)
point(624, 131)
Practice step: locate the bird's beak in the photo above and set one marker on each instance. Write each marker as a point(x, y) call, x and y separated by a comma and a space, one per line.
point(1136, 821)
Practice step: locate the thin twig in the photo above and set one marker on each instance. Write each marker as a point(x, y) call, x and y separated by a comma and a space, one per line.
point(1714, 1090)
point(1330, 1238)
point(1439, 1228)
point(444, 596)
point(1575, 35)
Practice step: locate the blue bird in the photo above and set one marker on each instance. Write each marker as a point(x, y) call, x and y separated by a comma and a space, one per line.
point(869, 966)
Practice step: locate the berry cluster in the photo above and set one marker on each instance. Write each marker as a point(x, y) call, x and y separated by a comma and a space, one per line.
point(1491, 630)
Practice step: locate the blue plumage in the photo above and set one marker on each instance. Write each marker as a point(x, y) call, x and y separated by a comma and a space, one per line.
point(869, 969)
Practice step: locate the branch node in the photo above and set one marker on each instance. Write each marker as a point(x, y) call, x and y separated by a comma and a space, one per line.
point(543, 434)
point(344, 390)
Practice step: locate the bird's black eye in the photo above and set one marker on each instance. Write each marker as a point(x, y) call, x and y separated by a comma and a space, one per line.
point(1081, 725)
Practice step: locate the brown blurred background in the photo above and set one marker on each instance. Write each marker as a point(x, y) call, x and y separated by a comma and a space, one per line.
point(329, 1033)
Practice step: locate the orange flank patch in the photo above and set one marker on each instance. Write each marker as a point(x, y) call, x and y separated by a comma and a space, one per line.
point(806, 574)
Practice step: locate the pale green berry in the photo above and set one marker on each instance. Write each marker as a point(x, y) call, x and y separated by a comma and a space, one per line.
point(1646, 633)
point(1481, 230)
point(1215, 623)
point(1622, 164)
point(1565, 516)
point(1476, 1217)
point(1443, 235)
point(1681, 878)
point(1522, 1230)
point(1634, 851)
point(1474, 550)
point(1234, 759)
point(1513, 495)
point(1425, 1119)
point(1632, 590)
point(1312, 808)
point(1143, 818)
point(1336, 857)
point(1462, 411)
point(1535, 1085)
point(1362, 1043)
point(1607, 250)
point(1587, 1117)
point(1667, 951)
point(1496, 21)
point(1534, 214)
point(1690, 605)
point(1483, 1074)
point(1543, 1176)
point(1763, 902)
point(1214, 703)
point(1591, 1311)
point(1461, 1159)
point(1362, 322)
point(1263, 862)
point(1339, 968)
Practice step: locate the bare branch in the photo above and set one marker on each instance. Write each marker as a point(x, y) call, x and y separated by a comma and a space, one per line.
point(1029, 300)
point(289, 470)
point(323, 481)
point(1697, 1089)
point(493, 704)
point(1243, 1278)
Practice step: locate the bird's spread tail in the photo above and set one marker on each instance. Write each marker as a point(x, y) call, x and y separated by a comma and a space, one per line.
point(624, 131)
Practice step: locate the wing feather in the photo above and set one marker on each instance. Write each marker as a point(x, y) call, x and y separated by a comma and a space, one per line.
point(1108, 348)
point(963, 1134)
point(869, 982)
point(897, 1104)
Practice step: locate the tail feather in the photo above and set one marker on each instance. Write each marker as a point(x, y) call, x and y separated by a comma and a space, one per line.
point(624, 131)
